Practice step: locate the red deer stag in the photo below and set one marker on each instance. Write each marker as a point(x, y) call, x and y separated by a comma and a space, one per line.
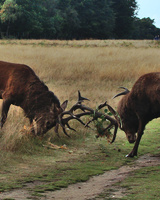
point(20, 86)
point(138, 107)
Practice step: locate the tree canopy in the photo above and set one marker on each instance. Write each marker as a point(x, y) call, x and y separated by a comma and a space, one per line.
point(74, 19)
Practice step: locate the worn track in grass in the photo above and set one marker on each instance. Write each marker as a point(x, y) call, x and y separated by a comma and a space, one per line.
point(86, 190)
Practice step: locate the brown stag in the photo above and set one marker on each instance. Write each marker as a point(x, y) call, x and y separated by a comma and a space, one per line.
point(138, 107)
point(20, 86)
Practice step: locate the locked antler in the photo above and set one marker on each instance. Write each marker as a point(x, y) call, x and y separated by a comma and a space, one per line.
point(85, 111)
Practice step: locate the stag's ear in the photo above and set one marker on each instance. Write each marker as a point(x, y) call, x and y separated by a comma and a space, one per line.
point(64, 105)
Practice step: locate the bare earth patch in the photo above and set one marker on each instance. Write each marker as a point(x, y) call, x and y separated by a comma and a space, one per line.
point(89, 189)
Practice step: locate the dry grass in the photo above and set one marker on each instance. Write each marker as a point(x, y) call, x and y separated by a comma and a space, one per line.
point(96, 68)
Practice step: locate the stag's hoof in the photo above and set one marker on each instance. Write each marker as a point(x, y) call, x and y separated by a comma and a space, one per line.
point(130, 155)
point(127, 156)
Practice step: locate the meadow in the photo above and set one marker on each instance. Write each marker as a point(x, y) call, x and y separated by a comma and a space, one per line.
point(96, 68)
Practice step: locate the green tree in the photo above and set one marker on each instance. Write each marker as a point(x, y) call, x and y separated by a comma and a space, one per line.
point(49, 18)
point(32, 17)
point(9, 12)
point(66, 19)
point(97, 19)
point(125, 13)
point(144, 29)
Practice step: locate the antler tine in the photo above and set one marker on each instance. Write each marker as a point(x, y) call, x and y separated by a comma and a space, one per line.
point(65, 132)
point(70, 127)
point(115, 132)
point(102, 105)
point(77, 105)
point(86, 125)
point(121, 93)
point(80, 98)
point(64, 121)
point(115, 129)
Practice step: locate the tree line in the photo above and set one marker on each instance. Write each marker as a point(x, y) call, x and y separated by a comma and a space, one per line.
point(74, 19)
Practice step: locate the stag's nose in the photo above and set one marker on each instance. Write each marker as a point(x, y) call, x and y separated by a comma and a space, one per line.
point(131, 138)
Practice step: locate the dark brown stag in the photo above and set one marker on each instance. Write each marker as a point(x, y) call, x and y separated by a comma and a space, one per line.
point(20, 86)
point(138, 107)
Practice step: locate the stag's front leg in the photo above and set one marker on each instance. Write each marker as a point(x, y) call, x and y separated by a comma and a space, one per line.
point(139, 135)
point(135, 148)
point(5, 107)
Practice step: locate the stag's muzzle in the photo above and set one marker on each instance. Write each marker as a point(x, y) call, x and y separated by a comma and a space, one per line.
point(131, 138)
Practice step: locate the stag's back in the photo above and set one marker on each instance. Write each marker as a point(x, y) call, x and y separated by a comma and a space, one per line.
point(143, 99)
point(15, 80)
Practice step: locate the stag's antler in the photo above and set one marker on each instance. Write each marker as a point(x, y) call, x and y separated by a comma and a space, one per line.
point(86, 111)
point(122, 93)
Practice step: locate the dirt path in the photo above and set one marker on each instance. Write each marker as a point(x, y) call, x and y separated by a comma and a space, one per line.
point(86, 190)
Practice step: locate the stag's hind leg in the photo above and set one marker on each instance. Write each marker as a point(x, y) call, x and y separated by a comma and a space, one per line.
point(5, 107)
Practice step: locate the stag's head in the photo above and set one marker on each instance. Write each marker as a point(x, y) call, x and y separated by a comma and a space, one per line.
point(47, 117)
point(129, 124)
point(128, 121)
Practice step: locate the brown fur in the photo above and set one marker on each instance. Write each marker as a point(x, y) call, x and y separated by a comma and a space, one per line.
point(20, 86)
point(139, 106)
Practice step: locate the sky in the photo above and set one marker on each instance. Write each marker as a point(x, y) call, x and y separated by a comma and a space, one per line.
point(149, 8)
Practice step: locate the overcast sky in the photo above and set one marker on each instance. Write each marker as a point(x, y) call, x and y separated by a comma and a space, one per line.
point(149, 8)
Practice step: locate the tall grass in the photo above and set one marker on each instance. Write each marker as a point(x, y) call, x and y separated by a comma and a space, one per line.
point(96, 68)
point(15, 134)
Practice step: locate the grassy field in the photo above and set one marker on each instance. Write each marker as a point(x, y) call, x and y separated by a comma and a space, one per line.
point(97, 69)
